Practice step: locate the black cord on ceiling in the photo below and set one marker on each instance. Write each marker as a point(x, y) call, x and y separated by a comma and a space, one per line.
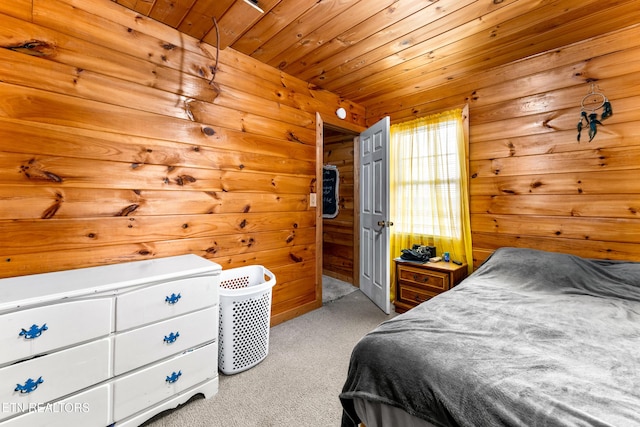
point(214, 70)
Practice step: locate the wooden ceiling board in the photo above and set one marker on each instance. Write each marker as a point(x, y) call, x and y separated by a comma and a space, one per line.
point(232, 24)
point(171, 12)
point(199, 20)
point(387, 40)
point(420, 47)
point(497, 40)
point(129, 4)
point(236, 21)
point(445, 62)
point(141, 6)
point(318, 14)
point(375, 25)
point(356, 14)
point(358, 48)
point(271, 24)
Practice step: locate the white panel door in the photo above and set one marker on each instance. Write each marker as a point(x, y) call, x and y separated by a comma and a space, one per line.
point(374, 214)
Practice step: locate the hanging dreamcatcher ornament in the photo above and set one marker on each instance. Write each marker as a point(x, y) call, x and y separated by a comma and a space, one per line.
point(593, 102)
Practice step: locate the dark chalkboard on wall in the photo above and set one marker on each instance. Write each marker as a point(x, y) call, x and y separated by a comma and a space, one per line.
point(330, 181)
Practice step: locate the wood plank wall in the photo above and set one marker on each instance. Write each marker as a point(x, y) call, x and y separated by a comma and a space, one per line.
point(532, 183)
point(338, 234)
point(118, 145)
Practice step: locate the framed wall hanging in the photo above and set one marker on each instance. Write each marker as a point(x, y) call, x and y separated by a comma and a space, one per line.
point(330, 194)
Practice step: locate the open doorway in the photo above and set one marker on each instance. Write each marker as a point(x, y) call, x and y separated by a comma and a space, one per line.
point(338, 250)
point(338, 237)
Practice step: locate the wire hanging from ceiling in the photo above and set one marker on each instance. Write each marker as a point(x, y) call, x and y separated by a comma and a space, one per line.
point(214, 70)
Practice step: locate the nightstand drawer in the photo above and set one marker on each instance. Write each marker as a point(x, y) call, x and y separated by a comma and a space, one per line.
point(432, 279)
point(415, 296)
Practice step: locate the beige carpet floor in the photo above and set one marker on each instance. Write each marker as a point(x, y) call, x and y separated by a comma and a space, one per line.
point(333, 289)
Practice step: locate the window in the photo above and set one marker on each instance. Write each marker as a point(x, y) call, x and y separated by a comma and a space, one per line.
point(428, 185)
point(428, 168)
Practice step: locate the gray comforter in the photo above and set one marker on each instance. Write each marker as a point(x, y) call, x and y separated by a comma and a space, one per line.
point(532, 338)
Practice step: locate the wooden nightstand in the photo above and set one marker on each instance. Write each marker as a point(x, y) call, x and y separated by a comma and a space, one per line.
point(416, 283)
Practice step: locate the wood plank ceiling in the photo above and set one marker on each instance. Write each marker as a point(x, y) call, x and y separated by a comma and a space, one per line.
point(359, 48)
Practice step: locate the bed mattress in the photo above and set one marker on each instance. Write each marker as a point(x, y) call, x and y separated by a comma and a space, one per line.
point(532, 338)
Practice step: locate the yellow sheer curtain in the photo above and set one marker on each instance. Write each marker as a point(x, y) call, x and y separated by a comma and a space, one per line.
point(429, 197)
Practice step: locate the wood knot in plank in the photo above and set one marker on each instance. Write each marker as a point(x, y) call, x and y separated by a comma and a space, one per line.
point(51, 210)
point(248, 243)
point(34, 172)
point(184, 179)
point(295, 258)
point(37, 48)
point(127, 210)
point(292, 137)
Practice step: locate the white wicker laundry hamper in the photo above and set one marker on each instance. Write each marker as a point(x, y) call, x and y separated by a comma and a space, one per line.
point(245, 314)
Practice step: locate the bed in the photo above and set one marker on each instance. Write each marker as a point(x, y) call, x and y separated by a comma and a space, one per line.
point(531, 338)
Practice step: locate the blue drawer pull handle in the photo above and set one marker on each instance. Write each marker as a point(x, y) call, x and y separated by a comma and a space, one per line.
point(174, 377)
point(33, 332)
point(173, 299)
point(171, 338)
point(29, 386)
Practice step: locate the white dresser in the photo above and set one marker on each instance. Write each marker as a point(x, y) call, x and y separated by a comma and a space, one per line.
point(110, 344)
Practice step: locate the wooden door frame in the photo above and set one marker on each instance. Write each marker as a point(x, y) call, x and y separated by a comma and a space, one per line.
point(334, 121)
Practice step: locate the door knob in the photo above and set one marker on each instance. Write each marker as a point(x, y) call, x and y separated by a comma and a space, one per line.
point(383, 223)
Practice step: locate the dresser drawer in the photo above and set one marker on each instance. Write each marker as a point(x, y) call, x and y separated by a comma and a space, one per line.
point(142, 346)
point(90, 408)
point(38, 330)
point(50, 377)
point(166, 300)
point(427, 279)
point(146, 387)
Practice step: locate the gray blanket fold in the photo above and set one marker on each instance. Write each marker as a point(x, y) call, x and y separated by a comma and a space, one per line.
point(532, 338)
